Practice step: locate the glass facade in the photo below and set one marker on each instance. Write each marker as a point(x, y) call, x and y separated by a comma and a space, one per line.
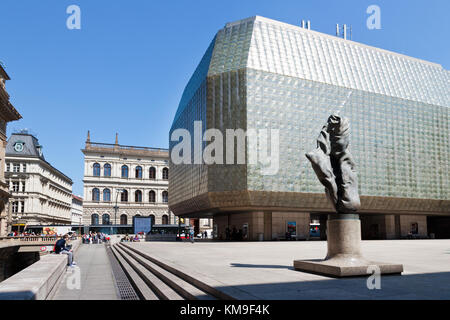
point(263, 73)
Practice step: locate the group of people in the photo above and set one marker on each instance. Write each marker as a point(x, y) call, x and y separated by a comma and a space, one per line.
point(131, 238)
point(95, 238)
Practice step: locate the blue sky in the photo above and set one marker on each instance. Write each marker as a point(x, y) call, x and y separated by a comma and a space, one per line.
point(125, 70)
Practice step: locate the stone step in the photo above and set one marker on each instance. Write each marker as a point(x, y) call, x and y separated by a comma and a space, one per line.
point(192, 280)
point(184, 288)
point(161, 289)
point(142, 289)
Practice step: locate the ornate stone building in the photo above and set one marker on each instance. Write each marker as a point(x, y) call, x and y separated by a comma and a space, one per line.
point(7, 113)
point(77, 210)
point(41, 194)
point(136, 178)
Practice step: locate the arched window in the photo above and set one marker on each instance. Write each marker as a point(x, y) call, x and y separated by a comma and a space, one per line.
point(138, 172)
point(152, 196)
point(124, 171)
point(107, 170)
point(138, 196)
point(123, 219)
point(106, 195)
point(124, 196)
point(165, 196)
point(165, 173)
point(152, 219)
point(94, 219)
point(105, 219)
point(165, 219)
point(152, 173)
point(96, 170)
point(95, 194)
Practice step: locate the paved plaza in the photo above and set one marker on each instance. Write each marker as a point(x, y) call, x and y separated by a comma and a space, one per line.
point(264, 270)
point(96, 278)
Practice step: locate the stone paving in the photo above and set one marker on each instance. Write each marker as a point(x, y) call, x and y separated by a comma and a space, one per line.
point(96, 279)
point(264, 270)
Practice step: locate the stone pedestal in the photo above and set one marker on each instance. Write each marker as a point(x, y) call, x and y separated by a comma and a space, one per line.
point(344, 257)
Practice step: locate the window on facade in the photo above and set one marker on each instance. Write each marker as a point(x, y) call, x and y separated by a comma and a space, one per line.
point(106, 195)
point(22, 206)
point(105, 219)
point(165, 173)
point(124, 196)
point(138, 196)
point(95, 194)
point(107, 170)
point(15, 206)
point(16, 167)
point(124, 171)
point(24, 167)
point(23, 186)
point(152, 173)
point(165, 219)
point(138, 174)
point(94, 219)
point(165, 196)
point(15, 186)
point(7, 167)
point(152, 196)
point(96, 170)
point(123, 219)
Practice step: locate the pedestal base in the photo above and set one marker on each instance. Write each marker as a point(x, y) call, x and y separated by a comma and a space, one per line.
point(344, 257)
point(346, 267)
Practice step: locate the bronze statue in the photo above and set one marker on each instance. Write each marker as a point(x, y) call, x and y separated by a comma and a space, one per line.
point(334, 166)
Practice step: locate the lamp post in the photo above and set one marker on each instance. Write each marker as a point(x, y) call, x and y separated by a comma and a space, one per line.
point(116, 208)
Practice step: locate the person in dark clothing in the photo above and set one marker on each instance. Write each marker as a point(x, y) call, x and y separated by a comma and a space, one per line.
point(61, 248)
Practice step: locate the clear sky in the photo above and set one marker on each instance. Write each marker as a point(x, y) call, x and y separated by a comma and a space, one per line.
point(125, 70)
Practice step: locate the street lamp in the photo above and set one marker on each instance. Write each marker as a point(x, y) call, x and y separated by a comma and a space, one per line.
point(116, 208)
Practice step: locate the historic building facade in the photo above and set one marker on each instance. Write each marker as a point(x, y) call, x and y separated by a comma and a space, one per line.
point(133, 178)
point(7, 114)
point(260, 74)
point(77, 210)
point(41, 194)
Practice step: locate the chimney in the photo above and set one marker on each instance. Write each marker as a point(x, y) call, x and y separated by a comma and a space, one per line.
point(308, 25)
point(337, 29)
point(345, 32)
point(303, 23)
point(117, 139)
point(88, 139)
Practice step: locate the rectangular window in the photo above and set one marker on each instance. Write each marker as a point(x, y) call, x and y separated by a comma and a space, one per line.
point(15, 207)
point(24, 167)
point(7, 167)
point(16, 167)
point(15, 186)
point(23, 186)
point(22, 206)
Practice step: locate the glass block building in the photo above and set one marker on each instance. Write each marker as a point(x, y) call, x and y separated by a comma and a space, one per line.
point(264, 74)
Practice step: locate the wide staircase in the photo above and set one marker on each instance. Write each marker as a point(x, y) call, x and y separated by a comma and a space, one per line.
point(154, 280)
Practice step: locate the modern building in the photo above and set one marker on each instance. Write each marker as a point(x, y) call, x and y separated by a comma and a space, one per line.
point(260, 74)
point(135, 179)
point(41, 194)
point(77, 210)
point(7, 114)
